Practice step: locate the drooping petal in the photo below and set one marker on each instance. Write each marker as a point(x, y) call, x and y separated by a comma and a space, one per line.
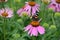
point(19, 11)
point(33, 11)
point(34, 32)
point(27, 27)
point(29, 32)
point(29, 11)
point(52, 6)
point(37, 5)
point(58, 8)
point(37, 9)
point(27, 7)
point(41, 29)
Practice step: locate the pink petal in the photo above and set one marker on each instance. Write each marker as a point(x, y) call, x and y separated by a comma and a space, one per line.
point(10, 12)
point(58, 8)
point(33, 11)
point(53, 1)
point(27, 7)
point(29, 12)
point(19, 11)
point(34, 32)
point(53, 6)
point(29, 32)
point(9, 15)
point(37, 9)
point(2, 10)
point(27, 27)
point(7, 9)
point(41, 29)
point(37, 6)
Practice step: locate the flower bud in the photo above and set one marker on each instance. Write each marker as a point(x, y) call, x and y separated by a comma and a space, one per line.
point(52, 27)
point(16, 35)
point(24, 14)
point(17, 1)
point(20, 20)
point(57, 14)
point(30, 17)
point(46, 1)
point(50, 9)
point(46, 25)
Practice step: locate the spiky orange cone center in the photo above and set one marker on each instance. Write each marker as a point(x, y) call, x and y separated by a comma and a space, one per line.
point(35, 23)
point(5, 14)
point(58, 1)
point(31, 3)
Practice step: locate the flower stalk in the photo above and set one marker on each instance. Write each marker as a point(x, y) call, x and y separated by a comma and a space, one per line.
point(53, 19)
point(4, 28)
point(33, 38)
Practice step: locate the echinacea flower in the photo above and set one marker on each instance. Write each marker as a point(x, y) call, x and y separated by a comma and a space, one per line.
point(30, 7)
point(34, 28)
point(6, 12)
point(3, 0)
point(55, 5)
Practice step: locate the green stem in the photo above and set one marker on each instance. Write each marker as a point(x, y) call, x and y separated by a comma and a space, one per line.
point(43, 14)
point(4, 30)
point(3, 5)
point(53, 19)
point(42, 38)
point(33, 38)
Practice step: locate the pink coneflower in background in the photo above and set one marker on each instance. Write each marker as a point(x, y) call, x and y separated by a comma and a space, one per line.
point(34, 28)
point(30, 7)
point(55, 5)
point(6, 12)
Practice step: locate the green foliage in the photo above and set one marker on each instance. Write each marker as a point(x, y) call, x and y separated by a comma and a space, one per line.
point(13, 28)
